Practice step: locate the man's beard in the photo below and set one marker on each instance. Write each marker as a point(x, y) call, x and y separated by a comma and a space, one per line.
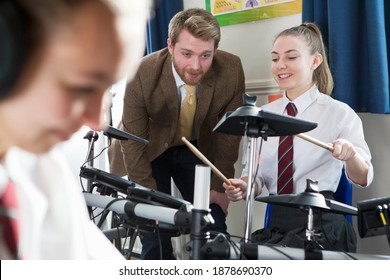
point(182, 72)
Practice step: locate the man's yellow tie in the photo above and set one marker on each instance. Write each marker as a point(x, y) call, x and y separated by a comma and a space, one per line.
point(187, 113)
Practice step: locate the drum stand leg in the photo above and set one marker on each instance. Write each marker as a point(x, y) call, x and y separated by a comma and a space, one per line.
point(250, 190)
point(200, 214)
point(310, 227)
point(311, 242)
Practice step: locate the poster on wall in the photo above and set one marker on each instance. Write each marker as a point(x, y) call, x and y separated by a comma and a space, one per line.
point(229, 12)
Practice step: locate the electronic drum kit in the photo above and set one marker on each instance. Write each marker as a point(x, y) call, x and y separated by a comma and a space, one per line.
point(251, 121)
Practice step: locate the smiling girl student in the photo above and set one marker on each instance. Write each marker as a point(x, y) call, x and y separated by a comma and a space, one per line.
point(299, 66)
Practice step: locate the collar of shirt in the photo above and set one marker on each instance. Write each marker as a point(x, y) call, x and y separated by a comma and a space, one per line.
point(3, 179)
point(179, 82)
point(304, 100)
point(179, 85)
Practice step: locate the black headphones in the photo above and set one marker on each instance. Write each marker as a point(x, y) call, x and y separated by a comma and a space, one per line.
point(12, 45)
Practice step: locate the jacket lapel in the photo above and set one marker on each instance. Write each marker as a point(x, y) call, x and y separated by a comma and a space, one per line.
point(204, 99)
point(169, 94)
point(169, 89)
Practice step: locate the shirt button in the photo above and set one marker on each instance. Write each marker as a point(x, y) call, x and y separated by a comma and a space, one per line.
point(166, 145)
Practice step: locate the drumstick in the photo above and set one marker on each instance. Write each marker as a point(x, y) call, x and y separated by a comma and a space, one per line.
point(205, 160)
point(315, 141)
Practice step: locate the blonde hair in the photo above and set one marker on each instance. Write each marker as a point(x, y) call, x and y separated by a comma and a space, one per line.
point(198, 22)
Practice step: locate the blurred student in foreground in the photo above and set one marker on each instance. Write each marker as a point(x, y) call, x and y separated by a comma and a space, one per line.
point(57, 60)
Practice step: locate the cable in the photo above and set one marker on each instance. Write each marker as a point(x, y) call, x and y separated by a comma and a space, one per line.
point(93, 216)
point(238, 250)
point(120, 222)
point(123, 242)
point(113, 201)
point(273, 248)
point(91, 159)
point(105, 208)
point(132, 240)
point(82, 184)
point(281, 252)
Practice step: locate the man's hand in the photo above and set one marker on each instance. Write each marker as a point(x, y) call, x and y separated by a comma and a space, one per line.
point(220, 199)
